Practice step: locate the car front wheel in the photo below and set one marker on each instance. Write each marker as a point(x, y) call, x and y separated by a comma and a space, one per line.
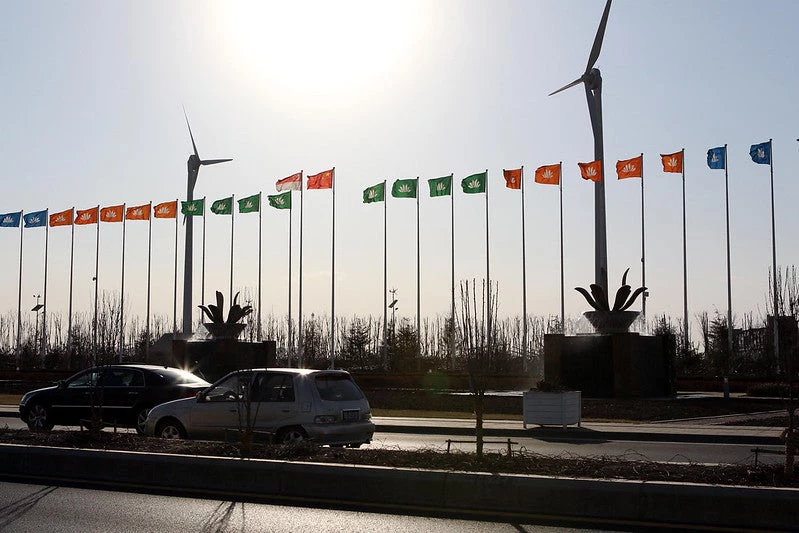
point(291, 435)
point(38, 418)
point(170, 429)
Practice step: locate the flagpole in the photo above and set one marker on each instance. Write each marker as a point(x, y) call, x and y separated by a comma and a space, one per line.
point(71, 271)
point(122, 290)
point(260, 220)
point(19, 295)
point(333, 278)
point(452, 274)
point(524, 276)
point(562, 291)
point(684, 258)
point(149, 255)
point(232, 214)
point(290, 344)
point(418, 278)
point(175, 298)
point(96, 283)
point(385, 276)
point(729, 274)
point(643, 246)
point(488, 278)
point(202, 276)
point(299, 305)
point(43, 349)
point(774, 258)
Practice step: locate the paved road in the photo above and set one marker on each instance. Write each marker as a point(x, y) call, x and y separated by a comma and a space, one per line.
point(35, 508)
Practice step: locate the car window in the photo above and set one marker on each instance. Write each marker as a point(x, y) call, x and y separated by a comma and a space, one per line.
point(273, 388)
point(121, 377)
point(230, 389)
point(337, 387)
point(86, 379)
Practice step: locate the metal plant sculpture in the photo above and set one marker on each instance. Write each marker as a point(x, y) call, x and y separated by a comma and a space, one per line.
point(219, 326)
point(607, 319)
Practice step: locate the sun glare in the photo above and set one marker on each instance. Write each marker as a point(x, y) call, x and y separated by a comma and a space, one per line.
point(335, 42)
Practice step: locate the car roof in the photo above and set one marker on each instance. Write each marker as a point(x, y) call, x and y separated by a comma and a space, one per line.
point(300, 371)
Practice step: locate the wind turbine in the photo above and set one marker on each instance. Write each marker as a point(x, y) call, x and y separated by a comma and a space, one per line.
point(593, 92)
point(194, 163)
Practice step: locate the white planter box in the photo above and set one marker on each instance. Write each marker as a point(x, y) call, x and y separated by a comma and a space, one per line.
point(552, 408)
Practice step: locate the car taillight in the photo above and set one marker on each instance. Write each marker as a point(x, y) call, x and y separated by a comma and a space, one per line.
point(366, 415)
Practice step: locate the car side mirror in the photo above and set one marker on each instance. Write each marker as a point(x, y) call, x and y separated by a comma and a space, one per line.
point(200, 397)
point(60, 384)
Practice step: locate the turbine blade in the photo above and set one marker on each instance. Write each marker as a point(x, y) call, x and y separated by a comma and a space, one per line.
point(214, 161)
point(569, 86)
point(190, 134)
point(600, 35)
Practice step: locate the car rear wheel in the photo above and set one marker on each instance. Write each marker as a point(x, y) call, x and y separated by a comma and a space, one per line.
point(291, 435)
point(170, 429)
point(141, 418)
point(38, 418)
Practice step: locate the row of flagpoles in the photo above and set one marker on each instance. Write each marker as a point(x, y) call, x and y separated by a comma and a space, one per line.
point(402, 188)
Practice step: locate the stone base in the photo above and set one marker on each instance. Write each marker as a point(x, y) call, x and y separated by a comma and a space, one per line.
point(615, 365)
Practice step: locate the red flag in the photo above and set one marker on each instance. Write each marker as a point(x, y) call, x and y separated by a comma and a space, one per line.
point(113, 213)
point(513, 178)
point(167, 209)
point(140, 212)
point(591, 171)
point(672, 162)
point(548, 174)
point(323, 180)
point(64, 218)
point(87, 216)
point(292, 183)
point(630, 168)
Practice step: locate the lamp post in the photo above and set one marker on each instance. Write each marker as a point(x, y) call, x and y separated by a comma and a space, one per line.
point(36, 309)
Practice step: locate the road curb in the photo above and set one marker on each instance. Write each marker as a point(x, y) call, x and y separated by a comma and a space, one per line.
point(421, 491)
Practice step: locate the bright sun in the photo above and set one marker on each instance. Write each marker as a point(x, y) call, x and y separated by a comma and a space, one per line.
point(337, 41)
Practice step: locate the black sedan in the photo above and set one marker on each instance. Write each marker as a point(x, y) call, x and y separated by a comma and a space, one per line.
point(119, 395)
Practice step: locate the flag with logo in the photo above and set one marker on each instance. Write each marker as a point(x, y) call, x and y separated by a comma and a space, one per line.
point(35, 220)
point(280, 201)
point(87, 216)
point(591, 171)
point(475, 184)
point(761, 153)
point(112, 214)
point(440, 186)
point(10, 220)
point(64, 218)
point(139, 212)
point(251, 204)
point(548, 174)
point(715, 158)
point(375, 193)
point(223, 206)
point(166, 209)
point(323, 180)
point(672, 162)
point(630, 168)
point(292, 183)
point(404, 188)
point(193, 208)
point(513, 178)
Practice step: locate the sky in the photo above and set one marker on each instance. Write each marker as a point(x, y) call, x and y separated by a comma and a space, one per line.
point(93, 106)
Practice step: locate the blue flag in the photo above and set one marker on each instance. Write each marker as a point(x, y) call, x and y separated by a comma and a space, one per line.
point(34, 220)
point(761, 153)
point(10, 220)
point(715, 158)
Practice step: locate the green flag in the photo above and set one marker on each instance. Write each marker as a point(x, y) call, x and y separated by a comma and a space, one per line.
point(440, 186)
point(404, 188)
point(280, 201)
point(375, 193)
point(475, 183)
point(223, 206)
point(251, 204)
point(194, 208)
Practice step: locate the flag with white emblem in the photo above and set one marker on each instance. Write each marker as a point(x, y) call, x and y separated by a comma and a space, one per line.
point(404, 188)
point(10, 220)
point(475, 184)
point(761, 153)
point(251, 204)
point(630, 168)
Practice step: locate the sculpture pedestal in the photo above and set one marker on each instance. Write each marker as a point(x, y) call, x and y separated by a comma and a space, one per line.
point(613, 365)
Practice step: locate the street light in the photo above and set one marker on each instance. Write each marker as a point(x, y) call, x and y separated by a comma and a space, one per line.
point(36, 309)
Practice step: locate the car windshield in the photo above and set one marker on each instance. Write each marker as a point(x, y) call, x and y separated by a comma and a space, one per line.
point(337, 388)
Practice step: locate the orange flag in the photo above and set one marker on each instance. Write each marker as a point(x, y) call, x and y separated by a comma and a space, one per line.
point(167, 210)
point(548, 174)
point(87, 216)
point(140, 212)
point(630, 168)
point(113, 213)
point(672, 162)
point(64, 218)
point(591, 171)
point(323, 180)
point(513, 178)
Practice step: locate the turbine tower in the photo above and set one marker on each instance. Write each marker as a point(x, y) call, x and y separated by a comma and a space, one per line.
point(193, 165)
point(593, 92)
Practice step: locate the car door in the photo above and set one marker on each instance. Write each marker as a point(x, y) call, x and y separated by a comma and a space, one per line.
point(71, 402)
point(121, 388)
point(275, 401)
point(220, 408)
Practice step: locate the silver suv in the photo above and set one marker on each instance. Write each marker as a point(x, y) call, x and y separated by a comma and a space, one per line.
point(287, 404)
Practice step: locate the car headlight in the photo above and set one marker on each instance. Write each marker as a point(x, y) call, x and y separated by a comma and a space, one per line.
point(325, 419)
